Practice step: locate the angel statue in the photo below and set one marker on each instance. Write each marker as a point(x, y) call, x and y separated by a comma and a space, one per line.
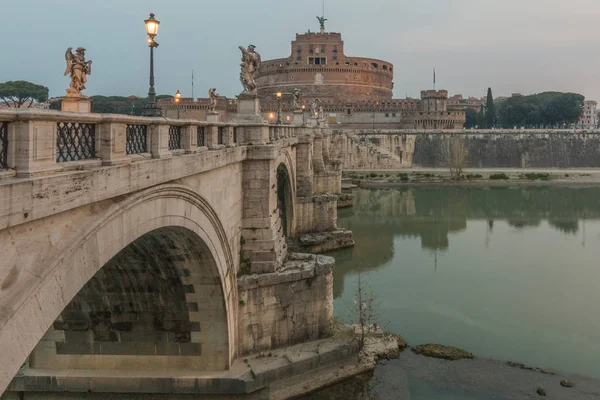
point(314, 107)
point(213, 96)
point(322, 22)
point(250, 65)
point(78, 68)
point(296, 96)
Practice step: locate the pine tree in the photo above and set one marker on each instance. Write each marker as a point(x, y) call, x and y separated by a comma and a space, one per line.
point(490, 115)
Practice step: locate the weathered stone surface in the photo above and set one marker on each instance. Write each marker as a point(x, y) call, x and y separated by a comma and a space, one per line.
point(443, 352)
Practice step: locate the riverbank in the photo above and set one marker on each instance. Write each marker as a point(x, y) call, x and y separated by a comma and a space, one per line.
point(472, 177)
point(417, 377)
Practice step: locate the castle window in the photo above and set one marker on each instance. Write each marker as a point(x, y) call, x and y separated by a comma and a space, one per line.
point(356, 64)
point(374, 65)
point(335, 48)
point(387, 115)
point(310, 49)
point(317, 60)
point(385, 67)
point(323, 49)
point(335, 56)
point(393, 114)
point(349, 112)
point(299, 57)
point(299, 49)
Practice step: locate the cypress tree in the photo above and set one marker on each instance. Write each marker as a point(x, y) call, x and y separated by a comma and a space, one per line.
point(490, 115)
point(481, 118)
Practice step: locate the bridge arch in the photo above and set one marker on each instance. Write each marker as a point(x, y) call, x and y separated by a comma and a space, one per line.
point(175, 208)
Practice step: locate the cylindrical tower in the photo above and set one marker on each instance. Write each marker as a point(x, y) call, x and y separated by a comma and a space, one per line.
point(320, 69)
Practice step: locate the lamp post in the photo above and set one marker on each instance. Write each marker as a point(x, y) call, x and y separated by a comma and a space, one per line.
point(303, 113)
point(177, 100)
point(150, 109)
point(278, 96)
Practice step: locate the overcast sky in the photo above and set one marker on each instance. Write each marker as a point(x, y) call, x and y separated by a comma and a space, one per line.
point(524, 46)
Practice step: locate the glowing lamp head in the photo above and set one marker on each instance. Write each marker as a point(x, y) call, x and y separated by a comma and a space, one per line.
point(271, 116)
point(279, 94)
point(287, 118)
point(303, 107)
point(177, 97)
point(152, 26)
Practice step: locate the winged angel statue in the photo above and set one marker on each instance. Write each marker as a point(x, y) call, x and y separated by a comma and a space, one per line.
point(250, 65)
point(78, 68)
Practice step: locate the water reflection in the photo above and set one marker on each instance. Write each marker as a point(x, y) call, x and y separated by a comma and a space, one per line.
point(504, 272)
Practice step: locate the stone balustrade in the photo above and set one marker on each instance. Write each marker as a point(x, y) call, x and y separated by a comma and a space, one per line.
point(37, 142)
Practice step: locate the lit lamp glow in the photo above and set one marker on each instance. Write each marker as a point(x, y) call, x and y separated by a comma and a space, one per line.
point(152, 26)
point(271, 116)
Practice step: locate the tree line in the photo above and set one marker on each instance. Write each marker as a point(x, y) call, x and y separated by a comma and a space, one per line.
point(17, 94)
point(543, 110)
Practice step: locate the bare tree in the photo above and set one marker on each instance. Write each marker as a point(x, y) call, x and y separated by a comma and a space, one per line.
point(365, 309)
point(454, 154)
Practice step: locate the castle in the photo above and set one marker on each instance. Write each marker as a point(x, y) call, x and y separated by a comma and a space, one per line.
point(355, 92)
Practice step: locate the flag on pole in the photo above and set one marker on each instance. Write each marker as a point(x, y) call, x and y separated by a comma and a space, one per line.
point(434, 78)
point(192, 85)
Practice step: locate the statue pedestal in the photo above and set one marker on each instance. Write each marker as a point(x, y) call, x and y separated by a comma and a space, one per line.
point(212, 116)
point(76, 104)
point(313, 122)
point(248, 112)
point(299, 118)
point(249, 107)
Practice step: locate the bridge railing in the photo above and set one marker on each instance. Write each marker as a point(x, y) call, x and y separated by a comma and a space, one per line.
point(34, 142)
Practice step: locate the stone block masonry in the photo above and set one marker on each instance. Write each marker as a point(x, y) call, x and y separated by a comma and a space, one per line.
point(499, 148)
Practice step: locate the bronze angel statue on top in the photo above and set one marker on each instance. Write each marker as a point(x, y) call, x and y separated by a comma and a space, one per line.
point(78, 68)
point(250, 65)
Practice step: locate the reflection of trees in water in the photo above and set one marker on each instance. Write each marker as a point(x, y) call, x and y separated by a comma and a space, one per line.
point(432, 213)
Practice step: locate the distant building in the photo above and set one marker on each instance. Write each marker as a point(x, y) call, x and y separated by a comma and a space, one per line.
point(356, 92)
point(589, 118)
point(457, 102)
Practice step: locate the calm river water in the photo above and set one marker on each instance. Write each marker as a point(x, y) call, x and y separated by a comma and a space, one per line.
point(506, 273)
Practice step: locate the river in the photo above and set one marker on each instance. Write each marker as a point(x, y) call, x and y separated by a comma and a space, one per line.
point(506, 273)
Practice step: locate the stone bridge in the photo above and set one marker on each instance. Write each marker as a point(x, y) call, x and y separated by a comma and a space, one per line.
point(150, 244)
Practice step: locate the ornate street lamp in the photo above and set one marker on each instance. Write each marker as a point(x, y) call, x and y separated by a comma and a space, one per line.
point(150, 109)
point(177, 100)
point(278, 96)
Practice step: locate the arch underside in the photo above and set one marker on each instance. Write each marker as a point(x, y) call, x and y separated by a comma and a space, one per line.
point(158, 304)
point(72, 253)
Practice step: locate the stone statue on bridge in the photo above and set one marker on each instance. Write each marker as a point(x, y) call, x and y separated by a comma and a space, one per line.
point(314, 108)
point(78, 68)
point(296, 93)
point(250, 65)
point(213, 96)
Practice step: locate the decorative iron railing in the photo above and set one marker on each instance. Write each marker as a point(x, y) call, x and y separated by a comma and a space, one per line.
point(174, 137)
point(221, 135)
point(75, 141)
point(201, 137)
point(3, 145)
point(136, 140)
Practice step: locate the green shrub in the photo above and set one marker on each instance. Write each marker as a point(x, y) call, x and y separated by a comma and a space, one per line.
point(533, 176)
point(499, 176)
point(373, 175)
point(404, 178)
